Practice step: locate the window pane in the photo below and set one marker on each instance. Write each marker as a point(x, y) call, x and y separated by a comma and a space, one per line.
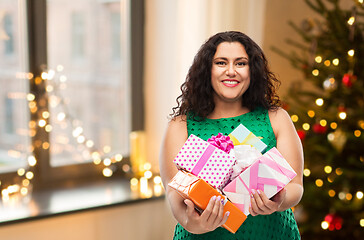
point(89, 93)
point(14, 112)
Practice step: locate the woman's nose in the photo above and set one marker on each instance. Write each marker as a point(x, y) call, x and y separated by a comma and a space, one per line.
point(231, 70)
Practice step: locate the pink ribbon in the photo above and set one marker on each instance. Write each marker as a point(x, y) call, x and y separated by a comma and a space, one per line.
point(256, 182)
point(221, 142)
point(202, 161)
point(279, 168)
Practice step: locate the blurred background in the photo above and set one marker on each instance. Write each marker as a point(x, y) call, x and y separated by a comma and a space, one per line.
point(87, 87)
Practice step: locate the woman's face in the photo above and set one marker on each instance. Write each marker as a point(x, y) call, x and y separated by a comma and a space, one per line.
point(230, 76)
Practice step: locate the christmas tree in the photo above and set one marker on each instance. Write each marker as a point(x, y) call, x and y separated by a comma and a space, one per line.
point(327, 107)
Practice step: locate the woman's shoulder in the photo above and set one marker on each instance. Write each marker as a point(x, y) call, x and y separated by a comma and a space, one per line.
point(280, 120)
point(278, 114)
point(178, 124)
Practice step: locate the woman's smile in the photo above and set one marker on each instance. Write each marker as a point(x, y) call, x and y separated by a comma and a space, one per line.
point(230, 82)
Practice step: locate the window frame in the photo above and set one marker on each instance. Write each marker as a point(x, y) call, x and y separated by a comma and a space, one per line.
point(46, 176)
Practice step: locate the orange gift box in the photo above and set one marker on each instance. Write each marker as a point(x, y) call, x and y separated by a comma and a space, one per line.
point(199, 192)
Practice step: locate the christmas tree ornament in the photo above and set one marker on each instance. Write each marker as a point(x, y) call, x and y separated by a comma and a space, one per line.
point(319, 129)
point(301, 134)
point(330, 84)
point(341, 108)
point(348, 79)
point(307, 25)
point(334, 221)
point(337, 139)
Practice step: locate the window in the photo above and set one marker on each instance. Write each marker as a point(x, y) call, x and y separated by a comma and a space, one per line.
point(115, 36)
point(78, 33)
point(14, 111)
point(71, 107)
point(8, 36)
point(90, 104)
point(9, 116)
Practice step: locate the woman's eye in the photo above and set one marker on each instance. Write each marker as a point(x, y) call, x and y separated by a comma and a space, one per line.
point(220, 63)
point(242, 63)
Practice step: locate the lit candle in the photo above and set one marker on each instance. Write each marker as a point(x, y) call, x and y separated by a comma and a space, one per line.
point(157, 190)
point(137, 151)
point(134, 184)
point(143, 186)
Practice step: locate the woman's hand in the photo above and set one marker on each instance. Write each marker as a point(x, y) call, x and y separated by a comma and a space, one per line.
point(210, 219)
point(261, 205)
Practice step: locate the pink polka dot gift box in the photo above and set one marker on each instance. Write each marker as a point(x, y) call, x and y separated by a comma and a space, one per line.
point(206, 161)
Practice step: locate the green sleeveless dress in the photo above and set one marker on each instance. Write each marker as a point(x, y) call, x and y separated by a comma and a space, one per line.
point(277, 226)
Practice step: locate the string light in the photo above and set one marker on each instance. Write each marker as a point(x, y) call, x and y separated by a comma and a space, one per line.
point(306, 172)
point(342, 195)
point(332, 193)
point(335, 61)
point(30, 97)
point(327, 63)
point(357, 133)
point(107, 172)
point(348, 196)
point(361, 124)
point(318, 59)
point(294, 118)
point(148, 174)
point(323, 122)
point(21, 172)
point(29, 175)
point(157, 180)
point(359, 195)
point(333, 125)
point(315, 72)
point(319, 183)
point(342, 115)
point(361, 222)
point(306, 126)
point(319, 102)
point(328, 169)
point(351, 20)
point(32, 161)
point(107, 162)
point(351, 52)
point(324, 225)
point(339, 171)
point(311, 113)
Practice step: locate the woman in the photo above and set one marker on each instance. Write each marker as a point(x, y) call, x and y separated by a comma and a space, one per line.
point(230, 83)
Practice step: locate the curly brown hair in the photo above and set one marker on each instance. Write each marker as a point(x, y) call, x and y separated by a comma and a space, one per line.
point(197, 91)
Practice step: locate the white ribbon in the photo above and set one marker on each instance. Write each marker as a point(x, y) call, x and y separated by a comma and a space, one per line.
point(245, 156)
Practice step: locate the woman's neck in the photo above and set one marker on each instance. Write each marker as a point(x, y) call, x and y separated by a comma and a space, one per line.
point(227, 110)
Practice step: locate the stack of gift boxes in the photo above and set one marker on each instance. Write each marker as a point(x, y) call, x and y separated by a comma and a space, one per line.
point(229, 167)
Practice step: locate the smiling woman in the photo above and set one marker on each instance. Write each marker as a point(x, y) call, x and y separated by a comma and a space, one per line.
point(229, 83)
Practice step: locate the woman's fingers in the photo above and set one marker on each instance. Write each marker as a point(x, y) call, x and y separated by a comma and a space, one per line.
point(190, 210)
point(213, 215)
point(208, 210)
point(218, 211)
point(260, 204)
point(226, 216)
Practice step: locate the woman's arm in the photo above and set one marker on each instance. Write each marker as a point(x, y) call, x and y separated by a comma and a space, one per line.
point(289, 145)
point(184, 210)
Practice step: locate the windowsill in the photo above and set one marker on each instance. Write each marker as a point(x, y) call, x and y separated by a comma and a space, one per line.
point(54, 202)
